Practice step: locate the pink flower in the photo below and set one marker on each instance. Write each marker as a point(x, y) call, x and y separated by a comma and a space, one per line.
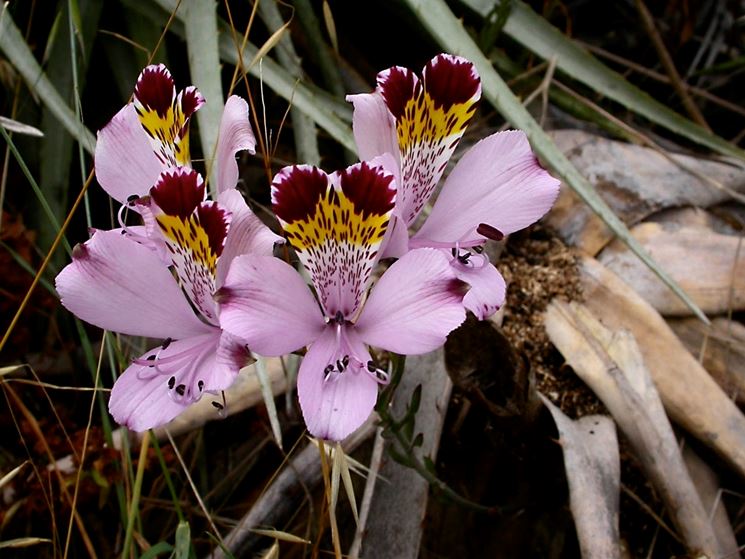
point(151, 134)
point(337, 224)
point(497, 187)
point(157, 280)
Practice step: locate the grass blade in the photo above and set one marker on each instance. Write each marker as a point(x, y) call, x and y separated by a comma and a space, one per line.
point(14, 46)
point(268, 395)
point(536, 34)
point(437, 18)
point(200, 23)
point(330, 114)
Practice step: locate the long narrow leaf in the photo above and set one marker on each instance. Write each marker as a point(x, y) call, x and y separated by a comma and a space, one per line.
point(536, 34)
point(331, 115)
point(200, 22)
point(437, 18)
point(14, 46)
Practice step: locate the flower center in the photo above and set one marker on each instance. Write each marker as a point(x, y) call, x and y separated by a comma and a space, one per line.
point(181, 364)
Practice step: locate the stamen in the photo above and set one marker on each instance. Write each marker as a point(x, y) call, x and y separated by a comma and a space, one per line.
point(489, 232)
point(166, 343)
point(380, 375)
point(171, 382)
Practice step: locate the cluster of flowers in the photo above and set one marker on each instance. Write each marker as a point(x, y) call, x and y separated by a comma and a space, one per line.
point(200, 274)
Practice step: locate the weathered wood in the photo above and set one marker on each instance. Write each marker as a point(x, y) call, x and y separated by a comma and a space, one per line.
point(593, 470)
point(709, 266)
point(636, 182)
point(691, 397)
point(611, 364)
point(394, 526)
point(722, 347)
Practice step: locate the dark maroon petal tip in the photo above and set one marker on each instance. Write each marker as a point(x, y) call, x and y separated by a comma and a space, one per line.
point(369, 189)
point(296, 192)
point(178, 192)
point(451, 80)
point(155, 89)
point(398, 86)
point(215, 221)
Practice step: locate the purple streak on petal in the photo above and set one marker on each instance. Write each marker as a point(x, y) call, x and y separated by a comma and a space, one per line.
point(235, 135)
point(158, 386)
point(125, 161)
point(122, 286)
point(498, 182)
point(336, 404)
point(374, 127)
point(487, 287)
point(266, 303)
point(414, 305)
point(246, 235)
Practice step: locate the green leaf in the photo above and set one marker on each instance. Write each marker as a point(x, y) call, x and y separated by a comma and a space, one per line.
point(437, 18)
point(330, 114)
point(183, 541)
point(200, 23)
point(268, 395)
point(536, 34)
point(15, 48)
point(157, 549)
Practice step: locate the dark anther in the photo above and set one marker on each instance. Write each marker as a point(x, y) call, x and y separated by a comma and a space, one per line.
point(171, 382)
point(345, 361)
point(371, 366)
point(454, 251)
point(132, 198)
point(489, 232)
point(166, 343)
point(339, 366)
point(200, 385)
point(339, 318)
point(181, 389)
point(477, 249)
point(463, 258)
point(151, 357)
point(218, 405)
point(328, 369)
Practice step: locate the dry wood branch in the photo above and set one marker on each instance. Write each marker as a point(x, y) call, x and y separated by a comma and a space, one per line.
point(611, 363)
point(285, 494)
point(692, 399)
point(394, 526)
point(709, 266)
point(635, 182)
point(721, 349)
point(593, 470)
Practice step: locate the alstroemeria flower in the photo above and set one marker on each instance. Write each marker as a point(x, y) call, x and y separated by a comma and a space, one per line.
point(151, 134)
point(337, 223)
point(497, 187)
point(122, 285)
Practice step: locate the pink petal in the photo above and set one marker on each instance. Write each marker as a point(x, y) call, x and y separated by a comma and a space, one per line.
point(120, 285)
point(159, 385)
point(194, 231)
point(431, 115)
point(396, 242)
point(164, 115)
point(266, 303)
point(487, 287)
point(125, 162)
point(336, 224)
point(334, 406)
point(414, 306)
point(235, 135)
point(498, 182)
point(246, 235)
point(374, 126)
